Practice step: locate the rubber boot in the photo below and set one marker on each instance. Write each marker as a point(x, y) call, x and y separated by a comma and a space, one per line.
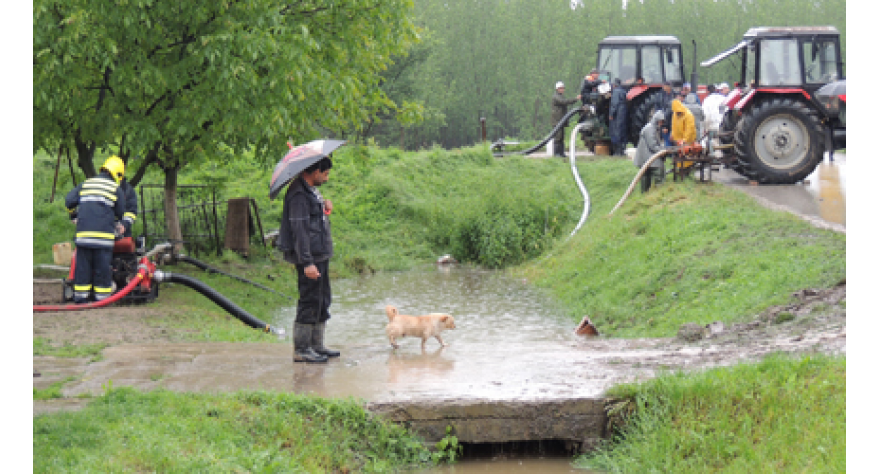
point(318, 341)
point(302, 340)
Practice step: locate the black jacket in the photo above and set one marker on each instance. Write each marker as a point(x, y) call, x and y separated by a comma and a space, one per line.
point(131, 206)
point(304, 236)
point(96, 204)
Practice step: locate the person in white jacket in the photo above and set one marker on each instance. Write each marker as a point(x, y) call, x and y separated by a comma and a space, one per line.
point(713, 108)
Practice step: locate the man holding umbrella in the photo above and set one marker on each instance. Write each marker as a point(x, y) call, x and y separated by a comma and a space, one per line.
point(305, 240)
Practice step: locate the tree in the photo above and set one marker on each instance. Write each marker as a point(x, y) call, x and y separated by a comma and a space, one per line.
point(177, 82)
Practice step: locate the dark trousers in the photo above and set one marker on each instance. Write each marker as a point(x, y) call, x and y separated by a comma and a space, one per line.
point(92, 272)
point(559, 143)
point(314, 295)
point(657, 174)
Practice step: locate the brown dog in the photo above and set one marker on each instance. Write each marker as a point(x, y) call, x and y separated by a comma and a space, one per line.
point(425, 327)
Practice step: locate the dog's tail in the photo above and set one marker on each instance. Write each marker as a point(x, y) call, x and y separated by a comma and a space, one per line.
point(391, 311)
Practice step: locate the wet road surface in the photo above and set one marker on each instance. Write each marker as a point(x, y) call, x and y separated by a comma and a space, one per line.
point(820, 199)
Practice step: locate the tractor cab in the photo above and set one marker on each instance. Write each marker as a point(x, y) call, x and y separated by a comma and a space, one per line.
point(805, 57)
point(655, 58)
point(777, 128)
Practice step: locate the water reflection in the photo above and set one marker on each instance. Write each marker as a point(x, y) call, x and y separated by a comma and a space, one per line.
point(828, 188)
point(488, 307)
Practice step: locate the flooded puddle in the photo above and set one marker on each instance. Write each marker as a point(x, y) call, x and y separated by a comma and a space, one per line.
point(827, 185)
point(488, 307)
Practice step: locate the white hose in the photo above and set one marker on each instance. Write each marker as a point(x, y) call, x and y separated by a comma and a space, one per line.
point(577, 179)
point(638, 176)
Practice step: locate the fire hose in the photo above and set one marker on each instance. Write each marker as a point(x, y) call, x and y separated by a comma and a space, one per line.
point(577, 178)
point(147, 271)
point(210, 269)
point(638, 176)
point(217, 298)
point(143, 272)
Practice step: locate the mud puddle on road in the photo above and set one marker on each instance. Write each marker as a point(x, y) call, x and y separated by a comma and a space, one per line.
point(827, 185)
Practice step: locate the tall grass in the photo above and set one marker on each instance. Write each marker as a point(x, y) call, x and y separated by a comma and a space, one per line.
point(128, 431)
point(685, 252)
point(781, 415)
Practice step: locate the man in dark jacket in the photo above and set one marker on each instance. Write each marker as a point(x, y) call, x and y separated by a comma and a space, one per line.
point(305, 239)
point(96, 205)
point(560, 108)
point(131, 207)
point(617, 118)
point(664, 103)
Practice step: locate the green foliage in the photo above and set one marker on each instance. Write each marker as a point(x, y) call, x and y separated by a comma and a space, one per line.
point(499, 59)
point(162, 431)
point(780, 415)
point(684, 252)
point(448, 449)
point(52, 391)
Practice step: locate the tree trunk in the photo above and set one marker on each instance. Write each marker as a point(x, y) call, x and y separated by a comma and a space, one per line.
point(85, 154)
point(172, 219)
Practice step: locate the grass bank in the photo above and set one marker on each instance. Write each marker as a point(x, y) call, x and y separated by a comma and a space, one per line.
point(685, 252)
point(780, 415)
point(162, 431)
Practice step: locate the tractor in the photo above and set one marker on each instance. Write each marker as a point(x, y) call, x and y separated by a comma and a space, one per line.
point(777, 124)
point(655, 58)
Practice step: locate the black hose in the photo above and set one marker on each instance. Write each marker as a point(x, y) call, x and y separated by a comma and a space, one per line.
point(559, 126)
point(221, 300)
point(210, 269)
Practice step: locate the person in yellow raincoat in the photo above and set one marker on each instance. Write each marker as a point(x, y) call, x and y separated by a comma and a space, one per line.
point(684, 129)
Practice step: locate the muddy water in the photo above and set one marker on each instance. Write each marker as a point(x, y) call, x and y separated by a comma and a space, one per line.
point(490, 310)
point(550, 465)
point(488, 307)
point(827, 185)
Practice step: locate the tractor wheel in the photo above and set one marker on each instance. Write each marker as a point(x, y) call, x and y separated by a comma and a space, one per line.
point(729, 124)
point(779, 140)
point(640, 113)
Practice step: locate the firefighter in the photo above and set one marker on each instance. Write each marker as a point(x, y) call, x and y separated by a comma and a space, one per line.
point(131, 206)
point(95, 206)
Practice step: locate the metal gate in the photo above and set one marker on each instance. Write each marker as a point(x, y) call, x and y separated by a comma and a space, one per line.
point(201, 217)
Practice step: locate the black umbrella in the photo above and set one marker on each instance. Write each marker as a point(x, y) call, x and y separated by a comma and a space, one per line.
point(298, 159)
point(833, 89)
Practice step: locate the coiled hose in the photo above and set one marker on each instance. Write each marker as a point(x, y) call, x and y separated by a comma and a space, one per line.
point(217, 298)
point(210, 269)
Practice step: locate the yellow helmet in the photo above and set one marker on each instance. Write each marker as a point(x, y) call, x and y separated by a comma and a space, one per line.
point(115, 167)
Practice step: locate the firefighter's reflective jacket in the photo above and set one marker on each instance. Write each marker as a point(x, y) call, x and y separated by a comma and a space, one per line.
point(96, 204)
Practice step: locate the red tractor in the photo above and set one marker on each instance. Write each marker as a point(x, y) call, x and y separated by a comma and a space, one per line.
point(656, 58)
point(777, 123)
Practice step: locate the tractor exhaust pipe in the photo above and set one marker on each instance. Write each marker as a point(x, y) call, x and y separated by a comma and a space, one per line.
point(695, 80)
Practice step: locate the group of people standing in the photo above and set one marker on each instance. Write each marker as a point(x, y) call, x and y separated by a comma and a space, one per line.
point(616, 110)
point(680, 119)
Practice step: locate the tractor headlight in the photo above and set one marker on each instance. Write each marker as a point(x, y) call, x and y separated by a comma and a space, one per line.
point(831, 104)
